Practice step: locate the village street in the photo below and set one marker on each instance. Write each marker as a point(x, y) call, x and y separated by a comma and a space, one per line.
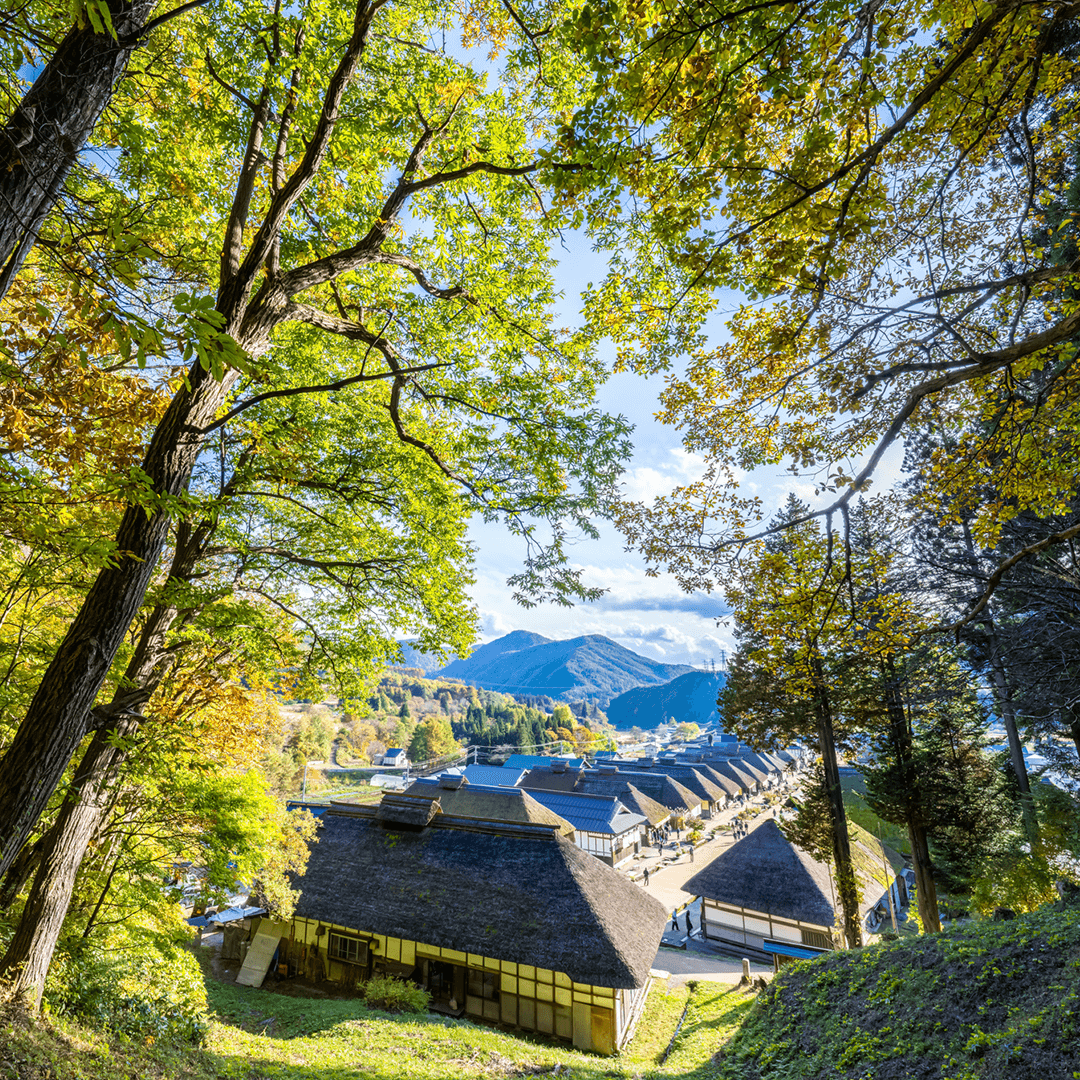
point(688, 956)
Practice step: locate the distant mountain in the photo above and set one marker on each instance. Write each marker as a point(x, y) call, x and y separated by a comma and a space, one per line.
point(690, 698)
point(412, 657)
point(590, 667)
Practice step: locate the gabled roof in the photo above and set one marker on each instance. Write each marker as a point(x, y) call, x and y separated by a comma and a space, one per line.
point(695, 781)
point(766, 872)
point(731, 768)
point(483, 803)
point(635, 800)
point(512, 897)
point(760, 761)
point(589, 813)
point(551, 779)
point(731, 787)
point(661, 787)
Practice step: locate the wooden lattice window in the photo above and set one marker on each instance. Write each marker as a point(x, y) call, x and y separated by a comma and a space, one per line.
point(349, 950)
point(816, 939)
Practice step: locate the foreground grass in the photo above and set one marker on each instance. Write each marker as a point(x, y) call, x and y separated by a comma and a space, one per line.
point(988, 1001)
point(985, 1001)
point(258, 1035)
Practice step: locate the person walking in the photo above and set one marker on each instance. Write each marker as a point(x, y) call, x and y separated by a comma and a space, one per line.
point(691, 852)
point(646, 877)
point(674, 921)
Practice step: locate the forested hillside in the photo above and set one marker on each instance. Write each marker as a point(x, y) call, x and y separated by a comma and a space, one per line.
point(688, 699)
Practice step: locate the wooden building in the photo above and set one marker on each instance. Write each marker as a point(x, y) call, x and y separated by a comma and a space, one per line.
point(766, 895)
point(499, 921)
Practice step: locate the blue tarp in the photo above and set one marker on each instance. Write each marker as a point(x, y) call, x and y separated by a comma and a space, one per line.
point(785, 948)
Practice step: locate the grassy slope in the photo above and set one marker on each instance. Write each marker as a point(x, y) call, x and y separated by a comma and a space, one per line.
point(988, 1001)
point(264, 1036)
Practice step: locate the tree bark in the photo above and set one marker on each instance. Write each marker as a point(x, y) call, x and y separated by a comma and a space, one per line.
point(846, 881)
point(59, 716)
point(87, 805)
point(21, 870)
point(903, 747)
point(42, 138)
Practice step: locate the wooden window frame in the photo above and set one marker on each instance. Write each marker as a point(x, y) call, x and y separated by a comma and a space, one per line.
point(358, 952)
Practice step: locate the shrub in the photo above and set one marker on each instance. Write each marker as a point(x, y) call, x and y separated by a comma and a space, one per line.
point(394, 995)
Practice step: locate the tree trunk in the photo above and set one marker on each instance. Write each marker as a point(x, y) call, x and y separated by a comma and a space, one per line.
point(87, 805)
point(914, 809)
point(21, 870)
point(31, 950)
point(846, 881)
point(999, 685)
point(925, 887)
point(59, 715)
point(42, 139)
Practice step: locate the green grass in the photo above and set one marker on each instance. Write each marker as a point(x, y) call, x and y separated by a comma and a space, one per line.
point(259, 1035)
point(985, 1001)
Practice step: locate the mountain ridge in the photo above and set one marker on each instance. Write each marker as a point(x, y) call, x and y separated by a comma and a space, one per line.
point(588, 667)
point(689, 698)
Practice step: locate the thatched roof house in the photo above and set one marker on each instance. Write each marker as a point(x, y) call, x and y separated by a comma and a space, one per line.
point(510, 922)
point(734, 770)
point(635, 800)
point(659, 790)
point(680, 800)
point(765, 889)
point(459, 799)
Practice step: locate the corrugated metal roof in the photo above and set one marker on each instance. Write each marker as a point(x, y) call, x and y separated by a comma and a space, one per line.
point(590, 813)
point(494, 775)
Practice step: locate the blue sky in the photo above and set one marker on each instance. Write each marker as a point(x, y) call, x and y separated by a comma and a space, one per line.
point(652, 616)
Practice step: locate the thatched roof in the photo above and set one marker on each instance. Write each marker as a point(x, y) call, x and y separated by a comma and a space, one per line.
point(484, 803)
point(759, 761)
point(695, 781)
point(766, 872)
point(743, 777)
point(732, 788)
point(631, 797)
point(661, 787)
point(551, 779)
point(496, 891)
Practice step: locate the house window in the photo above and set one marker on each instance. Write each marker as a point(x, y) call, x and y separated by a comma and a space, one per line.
point(350, 950)
point(483, 984)
point(816, 939)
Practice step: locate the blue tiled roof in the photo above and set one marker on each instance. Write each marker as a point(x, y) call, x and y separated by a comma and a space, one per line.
point(590, 813)
point(494, 775)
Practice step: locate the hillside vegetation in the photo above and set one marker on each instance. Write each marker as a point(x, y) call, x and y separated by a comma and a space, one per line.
point(984, 1001)
point(980, 1002)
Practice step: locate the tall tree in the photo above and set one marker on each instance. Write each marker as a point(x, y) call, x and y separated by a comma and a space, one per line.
point(43, 137)
point(884, 185)
point(447, 307)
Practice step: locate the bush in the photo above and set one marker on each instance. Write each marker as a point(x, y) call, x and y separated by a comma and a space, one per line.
point(394, 995)
point(133, 982)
